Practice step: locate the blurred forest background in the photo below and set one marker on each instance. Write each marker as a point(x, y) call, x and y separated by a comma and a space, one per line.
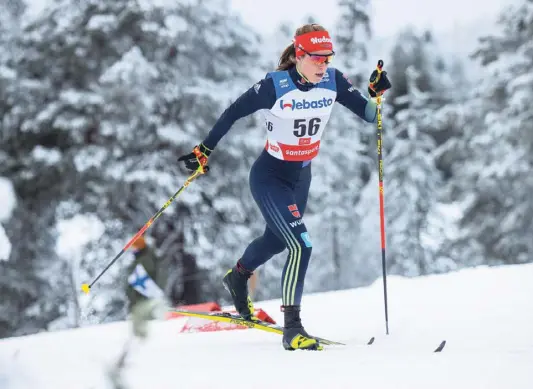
point(98, 99)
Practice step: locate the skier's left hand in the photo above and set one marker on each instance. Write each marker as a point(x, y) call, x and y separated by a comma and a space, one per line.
point(379, 83)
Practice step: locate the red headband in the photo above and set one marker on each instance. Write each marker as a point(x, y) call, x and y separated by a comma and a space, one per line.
point(312, 41)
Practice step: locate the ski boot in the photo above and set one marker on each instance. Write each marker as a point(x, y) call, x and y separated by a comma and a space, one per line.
point(294, 335)
point(236, 283)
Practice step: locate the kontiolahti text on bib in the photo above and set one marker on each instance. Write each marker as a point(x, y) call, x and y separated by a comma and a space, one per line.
point(297, 120)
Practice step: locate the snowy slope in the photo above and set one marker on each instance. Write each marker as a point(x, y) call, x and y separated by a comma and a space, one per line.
point(485, 314)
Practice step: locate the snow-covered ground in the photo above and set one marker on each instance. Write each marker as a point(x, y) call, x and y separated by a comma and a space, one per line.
point(485, 314)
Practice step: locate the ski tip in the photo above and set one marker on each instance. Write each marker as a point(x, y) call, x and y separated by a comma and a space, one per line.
point(85, 288)
point(441, 346)
point(371, 340)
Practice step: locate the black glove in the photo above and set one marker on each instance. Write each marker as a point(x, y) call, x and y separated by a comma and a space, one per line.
point(378, 84)
point(197, 159)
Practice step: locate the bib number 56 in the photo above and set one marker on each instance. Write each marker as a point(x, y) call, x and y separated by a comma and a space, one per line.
point(306, 127)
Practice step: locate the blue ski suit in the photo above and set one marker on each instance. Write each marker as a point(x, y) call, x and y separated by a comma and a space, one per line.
point(281, 187)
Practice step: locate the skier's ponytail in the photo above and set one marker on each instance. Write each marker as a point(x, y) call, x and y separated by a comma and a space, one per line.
point(288, 57)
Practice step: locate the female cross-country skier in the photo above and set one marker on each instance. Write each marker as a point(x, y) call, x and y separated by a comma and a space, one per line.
point(296, 100)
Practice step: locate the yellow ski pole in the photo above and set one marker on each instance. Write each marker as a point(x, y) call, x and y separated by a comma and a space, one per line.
point(201, 170)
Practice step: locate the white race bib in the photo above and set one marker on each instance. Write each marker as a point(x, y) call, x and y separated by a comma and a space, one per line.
point(297, 120)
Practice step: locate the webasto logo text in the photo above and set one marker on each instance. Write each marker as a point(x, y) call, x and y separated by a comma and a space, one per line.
point(320, 40)
point(304, 104)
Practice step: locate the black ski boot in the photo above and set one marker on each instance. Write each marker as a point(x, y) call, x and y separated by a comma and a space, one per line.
point(236, 283)
point(294, 335)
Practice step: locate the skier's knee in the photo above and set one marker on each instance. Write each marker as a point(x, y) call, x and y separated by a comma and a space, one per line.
point(302, 247)
point(272, 244)
point(276, 246)
point(306, 252)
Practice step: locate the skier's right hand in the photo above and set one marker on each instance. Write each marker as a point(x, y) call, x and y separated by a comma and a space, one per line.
point(197, 159)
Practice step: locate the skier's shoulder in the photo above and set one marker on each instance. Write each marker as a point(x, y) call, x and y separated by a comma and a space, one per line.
point(265, 89)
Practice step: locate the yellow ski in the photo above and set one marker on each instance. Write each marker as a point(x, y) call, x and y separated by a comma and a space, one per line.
point(233, 318)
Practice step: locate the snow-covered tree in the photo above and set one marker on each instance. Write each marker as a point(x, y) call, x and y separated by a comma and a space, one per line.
point(413, 128)
point(105, 98)
point(493, 181)
point(10, 24)
point(352, 36)
point(424, 53)
point(412, 184)
point(8, 200)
